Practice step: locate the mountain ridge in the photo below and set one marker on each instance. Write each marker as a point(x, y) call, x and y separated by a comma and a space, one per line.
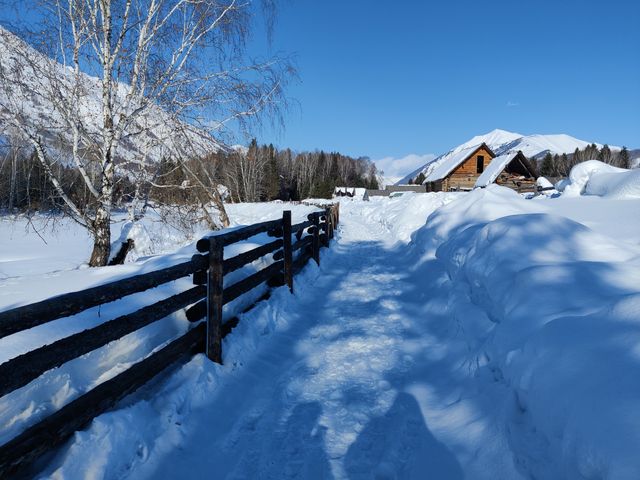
point(27, 101)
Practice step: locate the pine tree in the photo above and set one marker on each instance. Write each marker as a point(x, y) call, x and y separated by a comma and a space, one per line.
point(547, 170)
point(623, 158)
point(420, 179)
point(271, 177)
point(605, 154)
point(566, 165)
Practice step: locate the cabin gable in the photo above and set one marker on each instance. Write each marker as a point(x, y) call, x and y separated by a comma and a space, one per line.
point(519, 174)
point(464, 176)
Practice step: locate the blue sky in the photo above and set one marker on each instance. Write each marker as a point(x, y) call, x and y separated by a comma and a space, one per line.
point(388, 79)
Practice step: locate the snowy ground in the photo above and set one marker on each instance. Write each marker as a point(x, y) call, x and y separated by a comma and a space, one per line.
point(498, 340)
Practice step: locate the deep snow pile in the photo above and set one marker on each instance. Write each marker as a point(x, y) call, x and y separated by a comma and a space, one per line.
point(557, 310)
point(594, 177)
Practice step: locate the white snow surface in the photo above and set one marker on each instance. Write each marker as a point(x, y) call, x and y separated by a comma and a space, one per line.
point(594, 177)
point(444, 335)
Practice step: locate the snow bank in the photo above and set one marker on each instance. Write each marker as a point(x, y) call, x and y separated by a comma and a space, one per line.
point(559, 326)
point(542, 182)
point(625, 184)
point(597, 178)
point(400, 216)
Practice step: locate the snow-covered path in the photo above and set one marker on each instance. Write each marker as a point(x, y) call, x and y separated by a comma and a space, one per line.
point(360, 385)
point(448, 335)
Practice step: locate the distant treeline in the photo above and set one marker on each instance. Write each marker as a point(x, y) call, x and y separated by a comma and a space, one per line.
point(257, 173)
point(560, 165)
point(264, 173)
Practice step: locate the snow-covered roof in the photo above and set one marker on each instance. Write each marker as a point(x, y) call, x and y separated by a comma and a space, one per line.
point(492, 171)
point(355, 191)
point(447, 163)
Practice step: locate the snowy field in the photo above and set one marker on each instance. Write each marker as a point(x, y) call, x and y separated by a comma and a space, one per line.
point(470, 335)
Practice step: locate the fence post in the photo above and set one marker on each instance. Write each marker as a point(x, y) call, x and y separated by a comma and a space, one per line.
point(316, 238)
point(329, 216)
point(286, 247)
point(214, 300)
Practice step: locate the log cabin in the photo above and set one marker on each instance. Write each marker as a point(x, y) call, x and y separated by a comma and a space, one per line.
point(458, 170)
point(478, 166)
point(511, 170)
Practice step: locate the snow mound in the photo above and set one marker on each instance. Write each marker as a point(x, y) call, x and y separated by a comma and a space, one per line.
point(554, 307)
point(597, 178)
point(542, 182)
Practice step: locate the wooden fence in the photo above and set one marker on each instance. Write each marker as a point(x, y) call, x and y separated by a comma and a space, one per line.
point(293, 246)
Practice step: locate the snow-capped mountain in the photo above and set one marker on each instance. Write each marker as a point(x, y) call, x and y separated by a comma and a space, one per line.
point(36, 89)
point(502, 142)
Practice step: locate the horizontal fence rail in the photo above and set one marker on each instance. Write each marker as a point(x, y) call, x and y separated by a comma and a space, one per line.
point(29, 316)
point(294, 246)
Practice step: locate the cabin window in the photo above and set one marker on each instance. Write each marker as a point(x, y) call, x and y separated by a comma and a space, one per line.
point(480, 163)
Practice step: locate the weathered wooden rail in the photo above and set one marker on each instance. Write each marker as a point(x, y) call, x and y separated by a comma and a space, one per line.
point(203, 301)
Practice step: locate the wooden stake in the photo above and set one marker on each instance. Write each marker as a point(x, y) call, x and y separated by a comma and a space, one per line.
point(288, 252)
point(316, 239)
point(214, 300)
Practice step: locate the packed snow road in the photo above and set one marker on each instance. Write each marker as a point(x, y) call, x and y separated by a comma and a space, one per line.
point(356, 384)
point(356, 387)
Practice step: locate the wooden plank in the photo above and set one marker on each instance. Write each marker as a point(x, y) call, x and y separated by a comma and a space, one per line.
point(237, 235)
point(21, 370)
point(252, 281)
point(301, 261)
point(287, 251)
point(305, 241)
point(197, 312)
point(29, 316)
point(215, 300)
point(241, 260)
point(316, 240)
point(200, 277)
point(308, 240)
point(17, 454)
point(301, 226)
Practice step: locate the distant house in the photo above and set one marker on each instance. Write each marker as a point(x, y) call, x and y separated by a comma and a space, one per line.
point(458, 170)
point(406, 188)
point(352, 192)
point(512, 170)
point(390, 190)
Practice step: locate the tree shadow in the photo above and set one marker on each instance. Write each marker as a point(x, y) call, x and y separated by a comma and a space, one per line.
point(400, 445)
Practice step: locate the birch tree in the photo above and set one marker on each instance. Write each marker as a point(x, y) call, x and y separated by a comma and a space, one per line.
point(111, 87)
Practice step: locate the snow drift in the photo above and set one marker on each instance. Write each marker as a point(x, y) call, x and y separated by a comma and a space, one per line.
point(594, 177)
point(559, 326)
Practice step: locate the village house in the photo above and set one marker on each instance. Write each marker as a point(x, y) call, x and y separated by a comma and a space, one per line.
point(512, 170)
point(478, 166)
point(458, 170)
point(356, 193)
